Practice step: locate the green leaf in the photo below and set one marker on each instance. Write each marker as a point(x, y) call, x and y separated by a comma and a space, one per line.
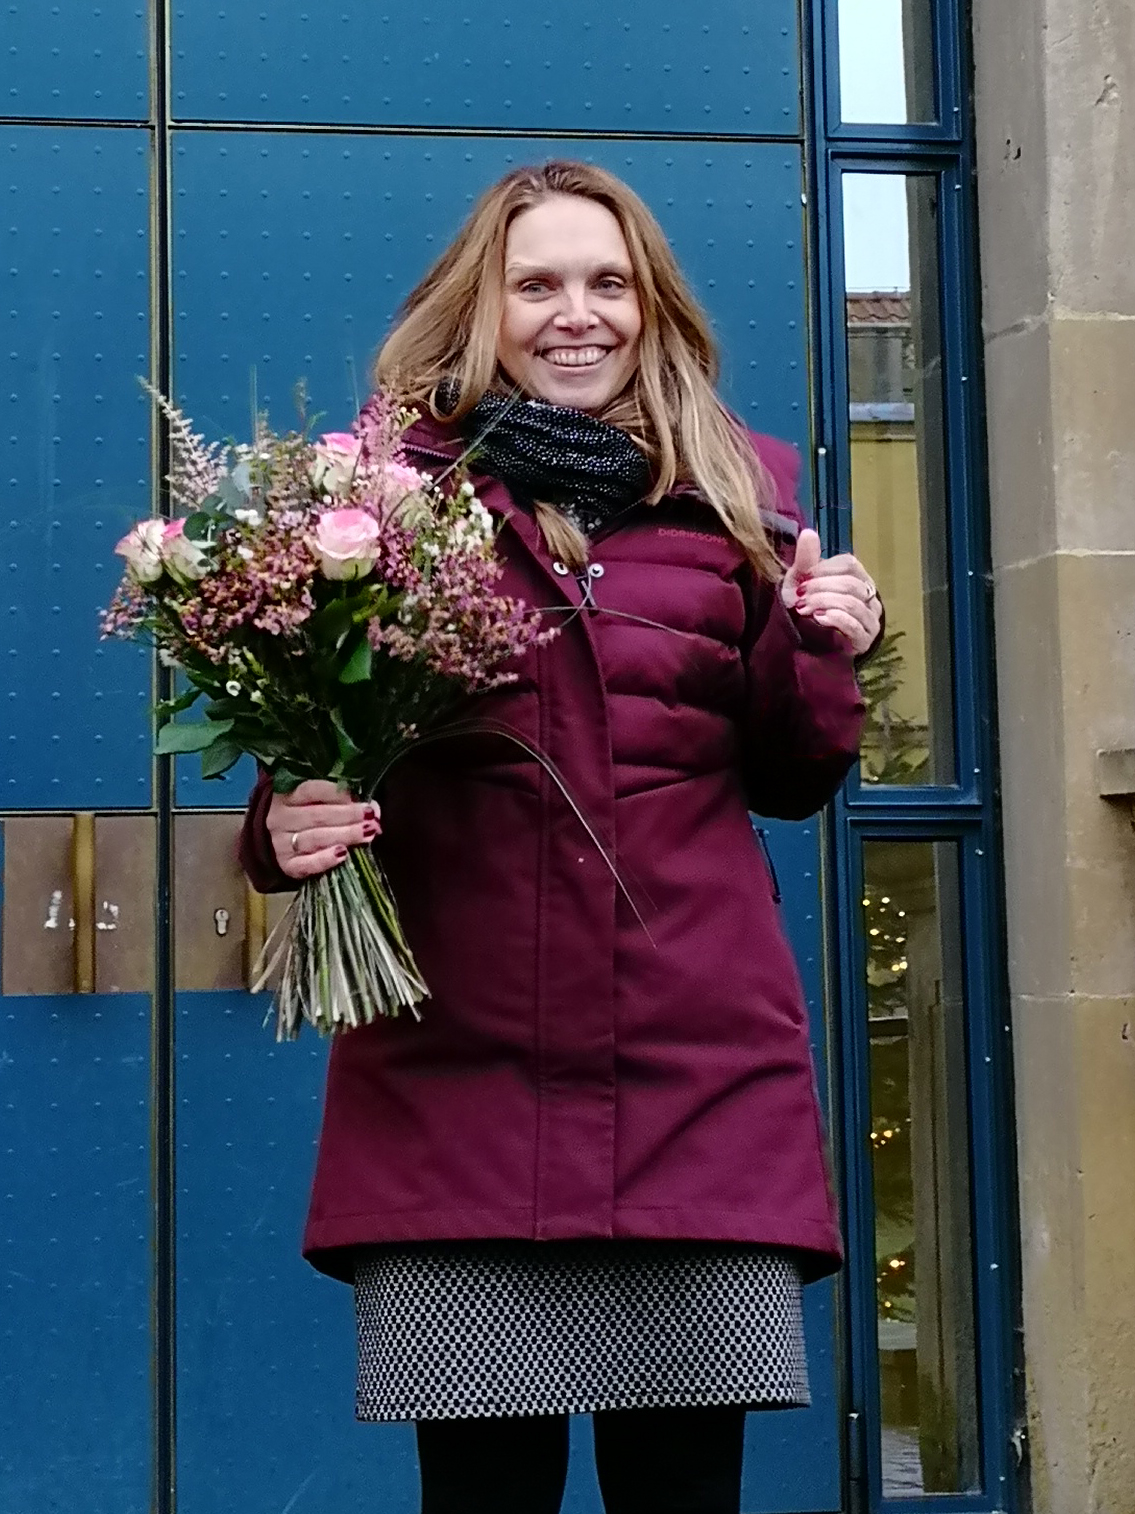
point(358, 665)
point(193, 736)
point(284, 781)
point(330, 624)
point(218, 758)
point(166, 709)
point(267, 749)
point(223, 709)
point(347, 748)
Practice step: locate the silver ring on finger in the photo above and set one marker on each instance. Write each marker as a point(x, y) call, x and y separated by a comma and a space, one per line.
point(295, 841)
point(872, 592)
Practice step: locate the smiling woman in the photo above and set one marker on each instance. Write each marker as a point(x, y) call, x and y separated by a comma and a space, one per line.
point(592, 1179)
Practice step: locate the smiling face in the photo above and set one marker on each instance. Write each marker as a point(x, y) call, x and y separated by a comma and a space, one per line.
point(571, 320)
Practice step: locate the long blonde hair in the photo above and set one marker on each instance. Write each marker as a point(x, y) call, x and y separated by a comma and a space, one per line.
point(450, 324)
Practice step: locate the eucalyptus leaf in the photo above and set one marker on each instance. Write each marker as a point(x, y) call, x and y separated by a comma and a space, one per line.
point(242, 477)
point(230, 496)
point(198, 526)
point(284, 781)
point(192, 736)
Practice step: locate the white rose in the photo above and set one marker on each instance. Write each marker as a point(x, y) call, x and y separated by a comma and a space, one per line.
point(336, 461)
point(142, 549)
point(185, 560)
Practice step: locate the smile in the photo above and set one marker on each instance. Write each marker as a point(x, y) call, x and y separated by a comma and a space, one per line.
point(575, 357)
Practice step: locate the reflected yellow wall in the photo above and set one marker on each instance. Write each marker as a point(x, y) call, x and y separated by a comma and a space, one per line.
point(887, 537)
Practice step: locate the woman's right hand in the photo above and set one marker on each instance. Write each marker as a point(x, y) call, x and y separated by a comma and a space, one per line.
point(312, 827)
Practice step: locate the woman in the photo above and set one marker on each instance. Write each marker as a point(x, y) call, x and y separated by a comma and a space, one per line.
point(592, 1179)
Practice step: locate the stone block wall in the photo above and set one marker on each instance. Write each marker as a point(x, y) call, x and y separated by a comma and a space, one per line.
point(1055, 110)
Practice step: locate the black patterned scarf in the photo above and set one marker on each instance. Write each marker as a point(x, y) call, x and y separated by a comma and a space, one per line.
point(590, 470)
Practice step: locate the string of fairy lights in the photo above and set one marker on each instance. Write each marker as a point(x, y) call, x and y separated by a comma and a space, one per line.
point(887, 967)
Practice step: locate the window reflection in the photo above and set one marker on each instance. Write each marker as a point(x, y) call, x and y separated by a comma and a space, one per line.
point(886, 61)
point(919, 1137)
point(898, 475)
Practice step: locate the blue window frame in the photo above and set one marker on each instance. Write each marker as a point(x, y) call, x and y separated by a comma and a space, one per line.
point(949, 812)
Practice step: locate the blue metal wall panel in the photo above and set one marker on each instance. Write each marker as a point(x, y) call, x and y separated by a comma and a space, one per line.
point(75, 441)
point(75, 1313)
point(725, 66)
point(266, 1349)
point(75, 61)
point(792, 1459)
point(292, 253)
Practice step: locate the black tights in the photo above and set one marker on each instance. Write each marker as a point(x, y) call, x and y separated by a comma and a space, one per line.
point(649, 1461)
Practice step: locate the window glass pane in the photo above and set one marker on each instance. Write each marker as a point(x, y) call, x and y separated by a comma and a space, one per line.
point(920, 1167)
point(886, 61)
point(898, 479)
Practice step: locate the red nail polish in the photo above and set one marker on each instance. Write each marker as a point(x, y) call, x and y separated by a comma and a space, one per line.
point(370, 831)
point(341, 853)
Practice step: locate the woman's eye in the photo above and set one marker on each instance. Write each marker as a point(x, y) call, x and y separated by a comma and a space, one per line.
point(533, 286)
point(611, 286)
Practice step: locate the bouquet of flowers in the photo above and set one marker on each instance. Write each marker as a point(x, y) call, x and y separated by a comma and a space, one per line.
point(332, 605)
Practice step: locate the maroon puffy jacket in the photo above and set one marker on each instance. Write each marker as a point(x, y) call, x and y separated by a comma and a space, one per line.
point(585, 1067)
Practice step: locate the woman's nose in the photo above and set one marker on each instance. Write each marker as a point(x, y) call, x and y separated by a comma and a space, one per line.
point(575, 312)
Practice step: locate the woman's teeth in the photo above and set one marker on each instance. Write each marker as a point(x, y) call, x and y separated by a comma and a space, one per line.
point(575, 357)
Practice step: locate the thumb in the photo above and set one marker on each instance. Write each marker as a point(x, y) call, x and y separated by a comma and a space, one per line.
point(807, 559)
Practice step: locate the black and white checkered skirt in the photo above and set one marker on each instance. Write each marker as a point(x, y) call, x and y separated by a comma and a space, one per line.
point(455, 1329)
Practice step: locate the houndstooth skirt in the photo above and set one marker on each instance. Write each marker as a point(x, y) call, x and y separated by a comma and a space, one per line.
point(456, 1329)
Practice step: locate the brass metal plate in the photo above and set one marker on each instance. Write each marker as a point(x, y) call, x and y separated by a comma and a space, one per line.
point(213, 910)
point(37, 923)
point(40, 951)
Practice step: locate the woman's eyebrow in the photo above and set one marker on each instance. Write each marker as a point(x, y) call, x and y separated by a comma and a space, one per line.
point(536, 270)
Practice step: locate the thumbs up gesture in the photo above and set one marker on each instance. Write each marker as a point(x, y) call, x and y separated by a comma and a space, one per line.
point(837, 592)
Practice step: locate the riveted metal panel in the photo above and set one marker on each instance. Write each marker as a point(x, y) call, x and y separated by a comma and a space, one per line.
point(74, 1280)
point(266, 1347)
point(723, 66)
point(74, 462)
point(792, 1459)
point(292, 253)
point(68, 59)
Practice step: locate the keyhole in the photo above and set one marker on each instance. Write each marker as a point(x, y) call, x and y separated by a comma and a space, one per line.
point(221, 921)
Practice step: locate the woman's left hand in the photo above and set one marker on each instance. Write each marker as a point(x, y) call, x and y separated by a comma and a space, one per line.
point(836, 591)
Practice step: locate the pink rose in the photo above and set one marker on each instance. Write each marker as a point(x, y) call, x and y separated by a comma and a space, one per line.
point(185, 560)
point(401, 480)
point(347, 543)
point(142, 549)
point(336, 461)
